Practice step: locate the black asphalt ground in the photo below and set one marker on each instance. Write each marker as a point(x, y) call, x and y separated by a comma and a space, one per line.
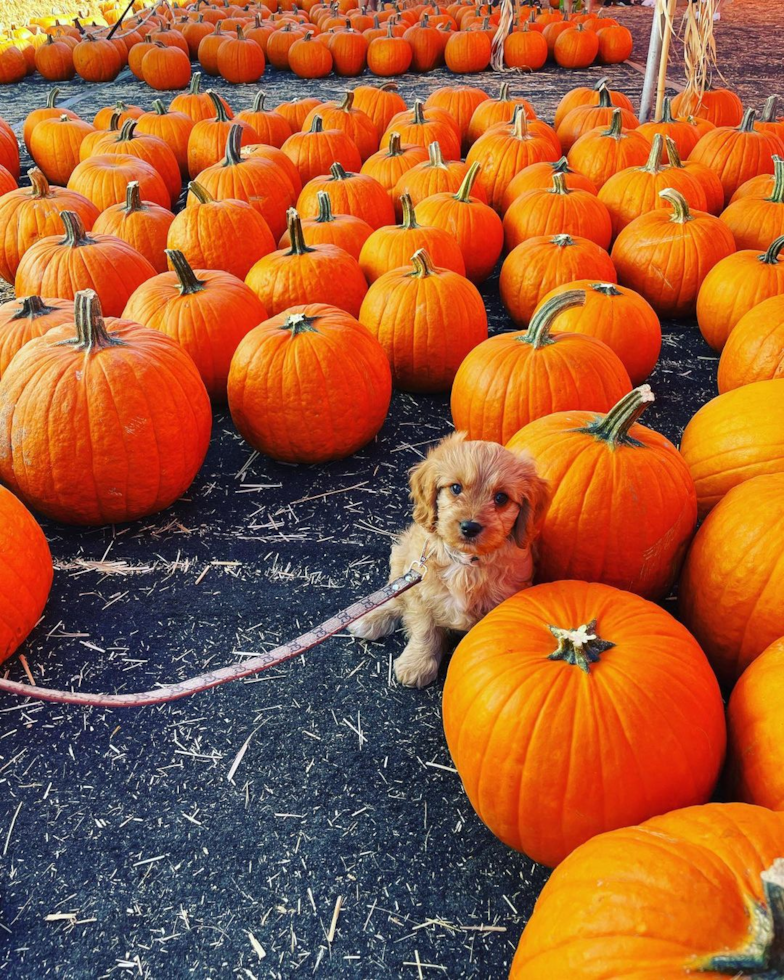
point(307, 822)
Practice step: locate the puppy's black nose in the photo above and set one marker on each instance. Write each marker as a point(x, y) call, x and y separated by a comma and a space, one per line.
point(470, 529)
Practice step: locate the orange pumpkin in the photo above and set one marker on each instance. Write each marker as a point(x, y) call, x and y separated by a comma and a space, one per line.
point(309, 385)
point(389, 55)
point(28, 317)
point(684, 135)
point(132, 445)
point(583, 96)
point(388, 165)
point(576, 47)
point(422, 127)
point(150, 149)
point(755, 220)
point(358, 126)
point(197, 105)
point(586, 116)
point(103, 179)
point(538, 671)
point(666, 257)
point(719, 106)
point(525, 50)
point(615, 44)
point(351, 193)
point(755, 349)
point(557, 210)
point(601, 153)
point(271, 126)
point(433, 175)
point(540, 175)
point(714, 191)
point(49, 111)
point(166, 67)
point(424, 349)
point(460, 101)
point(313, 152)
point(54, 60)
point(381, 103)
point(296, 111)
point(208, 138)
point(490, 112)
point(97, 60)
point(55, 145)
point(730, 591)
point(142, 224)
point(344, 230)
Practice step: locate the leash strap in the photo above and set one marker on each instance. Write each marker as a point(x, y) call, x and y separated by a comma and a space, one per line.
point(203, 682)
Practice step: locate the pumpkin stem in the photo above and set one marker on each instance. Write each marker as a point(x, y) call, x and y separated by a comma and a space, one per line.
point(39, 185)
point(580, 647)
point(390, 25)
point(777, 195)
point(769, 111)
point(561, 166)
point(602, 83)
point(394, 149)
point(653, 164)
point(672, 152)
point(159, 107)
point(666, 116)
point(233, 154)
point(324, 208)
point(200, 192)
point(126, 133)
point(606, 288)
point(562, 241)
point(32, 307)
point(538, 333)
point(298, 246)
point(75, 235)
point(605, 99)
point(559, 185)
point(503, 92)
point(189, 284)
point(51, 98)
point(771, 256)
point(258, 102)
point(747, 123)
point(133, 197)
point(195, 85)
point(613, 428)
point(220, 109)
point(347, 103)
point(91, 332)
point(464, 190)
point(419, 112)
point(409, 217)
point(338, 172)
point(519, 123)
point(388, 87)
point(299, 323)
point(616, 126)
point(317, 126)
point(680, 208)
point(436, 156)
point(423, 264)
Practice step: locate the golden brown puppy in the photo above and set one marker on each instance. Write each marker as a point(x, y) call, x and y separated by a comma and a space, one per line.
point(477, 508)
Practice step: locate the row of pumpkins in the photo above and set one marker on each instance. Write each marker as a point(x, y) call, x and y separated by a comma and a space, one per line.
point(236, 42)
point(288, 251)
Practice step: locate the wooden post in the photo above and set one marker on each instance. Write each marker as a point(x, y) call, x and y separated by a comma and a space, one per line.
point(652, 64)
point(667, 23)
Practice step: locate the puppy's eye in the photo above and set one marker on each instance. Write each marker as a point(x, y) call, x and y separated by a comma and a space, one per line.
point(456, 489)
point(501, 499)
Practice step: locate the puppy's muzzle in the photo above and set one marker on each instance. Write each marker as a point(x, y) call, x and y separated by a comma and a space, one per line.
point(470, 529)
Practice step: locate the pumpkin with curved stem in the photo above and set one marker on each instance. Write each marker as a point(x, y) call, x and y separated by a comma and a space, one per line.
point(392, 246)
point(309, 385)
point(54, 60)
point(315, 150)
point(349, 53)
point(490, 112)
point(635, 191)
point(55, 145)
point(61, 266)
point(389, 55)
point(207, 312)
point(679, 131)
point(150, 149)
point(537, 265)
point(28, 317)
point(736, 285)
point(433, 175)
point(733, 438)
point(422, 127)
point(174, 128)
point(344, 230)
point(460, 101)
point(666, 256)
point(147, 441)
point(557, 210)
point(513, 378)
point(755, 348)
point(609, 459)
point(427, 52)
point(525, 49)
point(208, 140)
point(388, 165)
point(588, 116)
point(166, 67)
point(103, 179)
point(758, 187)
point(754, 221)
point(381, 103)
point(718, 866)
point(350, 193)
point(711, 185)
point(540, 175)
point(302, 272)
point(735, 154)
point(229, 235)
point(755, 734)
point(253, 179)
point(358, 126)
point(49, 111)
point(295, 112)
point(719, 106)
point(770, 121)
point(270, 126)
point(144, 225)
point(601, 153)
point(26, 573)
point(208, 49)
point(424, 349)
point(197, 105)
point(280, 42)
point(584, 96)
point(29, 214)
point(474, 225)
point(730, 591)
point(97, 60)
point(546, 667)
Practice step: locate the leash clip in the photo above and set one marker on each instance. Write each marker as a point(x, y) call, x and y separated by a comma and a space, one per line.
point(419, 566)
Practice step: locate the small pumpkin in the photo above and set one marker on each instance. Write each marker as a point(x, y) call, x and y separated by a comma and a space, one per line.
point(601, 153)
point(132, 445)
point(166, 67)
point(540, 175)
point(537, 672)
point(349, 52)
point(684, 136)
point(576, 47)
point(424, 349)
point(489, 112)
point(615, 44)
point(754, 221)
point(557, 210)
point(714, 192)
point(142, 224)
point(276, 156)
point(296, 111)
point(314, 151)
point(308, 58)
point(326, 228)
point(586, 116)
point(208, 138)
point(55, 145)
point(48, 111)
point(590, 96)
point(525, 49)
point(468, 52)
point(356, 124)
point(389, 55)
point(309, 385)
point(350, 193)
point(209, 46)
point(381, 103)
point(174, 128)
point(54, 60)
point(755, 348)
point(460, 101)
point(97, 60)
point(28, 317)
point(422, 127)
point(197, 105)
point(720, 106)
point(270, 126)
point(434, 175)
point(388, 165)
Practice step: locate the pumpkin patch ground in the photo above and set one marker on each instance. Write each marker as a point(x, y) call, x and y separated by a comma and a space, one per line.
point(308, 821)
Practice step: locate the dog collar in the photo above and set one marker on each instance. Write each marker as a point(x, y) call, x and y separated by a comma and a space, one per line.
point(461, 559)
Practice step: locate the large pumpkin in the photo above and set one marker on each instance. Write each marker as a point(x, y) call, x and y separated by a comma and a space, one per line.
point(602, 152)
point(719, 106)
point(755, 349)
point(142, 224)
point(55, 145)
point(150, 149)
point(513, 378)
point(557, 210)
point(314, 151)
point(350, 193)
point(28, 317)
point(88, 433)
point(574, 708)
point(388, 165)
point(733, 438)
point(309, 385)
point(623, 507)
point(694, 893)
point(25, 573)
point(756, 218)
point(733, 579)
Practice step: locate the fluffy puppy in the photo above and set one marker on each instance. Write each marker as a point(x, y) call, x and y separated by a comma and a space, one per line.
point(477, 508)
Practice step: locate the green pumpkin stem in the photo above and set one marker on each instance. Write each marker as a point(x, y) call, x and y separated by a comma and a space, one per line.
point(503, 93)
point(220, 109)
point(616, 126)
point(325, 214)
point(769, 111)
point(680, 207)
point(613, 428)
point(159, 107)
point(127, 131)
point(602, 83)
point(538, 332)
point(258, 102)
point(133, 197)
point(31, 308)
point(580, 647)
point(195, 87)
point(298, 246)
point(299, 323)
point(347, 102)
point(605, 99)
point(653, 164)
point(394, 149)
point(606, 288)
point(464, 190)
point(777, 194)
point(435, 156)
point(672, 152)
point(771, 255)
point(233, 154)
point(39, 185)
point(409, 221)
point(419, 112)
point(667, 116)
point(559, 185)
point(75, 235)
point(338, 172)
point(747, 123)
point(91, 332)
point(200, 192)
point(423, 264)
point(317, 126)
point(51, 98)
point(189, 283)
point(561, 166)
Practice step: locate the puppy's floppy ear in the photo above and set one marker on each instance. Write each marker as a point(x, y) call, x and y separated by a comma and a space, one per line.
point(534, 502)
point(424, 493)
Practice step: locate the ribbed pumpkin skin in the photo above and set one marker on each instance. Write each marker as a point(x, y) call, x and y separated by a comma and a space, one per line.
point(389, 164)
point(174, 128)
point(208, 317)
point(582, 95)
point(584, 118)
point(755, 349)
point(28, 317)
point(104, 180)
point(720, 106)
point(149, 442)
point(736, 155)
point(55, 144)
point(144, 227)
point(732, 582)
point(461, 102)
point(550, 755)
point(150, 149)
point(599, 154)
point(350, 193)
point(555, 211)
point(621, 513)
point(755, 732)
point(355, 123)
point(541, 175)
point(313, 153)
point(601, 915)
point(309, 395)
point(736, 436)
point(25, 573)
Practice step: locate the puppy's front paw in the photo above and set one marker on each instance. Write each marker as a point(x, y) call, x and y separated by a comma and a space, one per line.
point(375, 625)
point(415, 669)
